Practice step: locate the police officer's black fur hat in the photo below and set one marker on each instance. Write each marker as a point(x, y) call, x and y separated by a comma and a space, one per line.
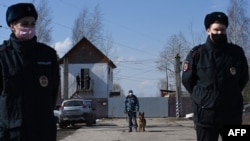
point(215, 16)
point(20, 10)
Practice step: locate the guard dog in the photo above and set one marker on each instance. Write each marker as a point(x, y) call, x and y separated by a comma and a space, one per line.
point(141, 122)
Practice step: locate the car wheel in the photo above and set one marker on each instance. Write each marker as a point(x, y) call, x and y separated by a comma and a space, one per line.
point(57, 120)
point(72, 124)
point(89, 120)
point(62, 125)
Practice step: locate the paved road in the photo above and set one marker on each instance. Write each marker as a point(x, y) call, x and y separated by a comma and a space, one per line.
point(157, 129)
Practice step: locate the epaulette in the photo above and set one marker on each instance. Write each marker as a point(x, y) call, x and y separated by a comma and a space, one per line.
point(195, 50)
point(232, 44)
point(4, 45)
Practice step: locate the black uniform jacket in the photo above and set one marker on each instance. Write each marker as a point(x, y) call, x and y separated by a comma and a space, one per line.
point(29, 80)
point(215, 77)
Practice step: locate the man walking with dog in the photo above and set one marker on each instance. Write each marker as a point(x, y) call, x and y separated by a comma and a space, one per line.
point(131, 107)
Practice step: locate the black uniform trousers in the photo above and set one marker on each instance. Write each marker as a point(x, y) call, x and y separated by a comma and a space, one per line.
point(132, 119)
point(208, 133)
point(10, 134)
point(212, 133)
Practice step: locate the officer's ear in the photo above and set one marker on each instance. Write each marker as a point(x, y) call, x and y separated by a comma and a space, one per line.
point(208, 31)
point(12, 26)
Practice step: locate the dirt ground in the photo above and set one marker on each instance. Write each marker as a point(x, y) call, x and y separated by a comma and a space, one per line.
point(157, 129)
point(246, 120)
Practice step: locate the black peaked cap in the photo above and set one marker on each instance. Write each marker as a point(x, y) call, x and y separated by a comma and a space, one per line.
point(215, 16)
point(20, 10)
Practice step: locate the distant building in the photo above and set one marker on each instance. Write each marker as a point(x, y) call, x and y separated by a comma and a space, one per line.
point(87, 73)
point(167, 93)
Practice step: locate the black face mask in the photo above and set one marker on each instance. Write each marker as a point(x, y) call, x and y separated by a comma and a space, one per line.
point(219, 38)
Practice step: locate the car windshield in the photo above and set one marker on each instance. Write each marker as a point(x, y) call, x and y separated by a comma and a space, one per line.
point(73, 103)
point(89, 103)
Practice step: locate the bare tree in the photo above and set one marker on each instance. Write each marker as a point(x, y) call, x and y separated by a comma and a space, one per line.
point(196, 37)
point(107, 46)
point(88, 25)
point(117, 88)
point(163, 84)
point(177, 44)
point(239, 30)
point(43, 23)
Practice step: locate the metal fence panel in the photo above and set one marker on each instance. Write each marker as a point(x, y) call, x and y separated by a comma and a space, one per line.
point(154, 107)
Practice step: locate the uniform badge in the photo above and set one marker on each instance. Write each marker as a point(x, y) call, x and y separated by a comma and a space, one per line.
point(232, 70)
point(185, 66)
point(43, 81)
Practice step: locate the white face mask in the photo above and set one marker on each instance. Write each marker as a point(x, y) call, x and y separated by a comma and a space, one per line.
point(25, 33)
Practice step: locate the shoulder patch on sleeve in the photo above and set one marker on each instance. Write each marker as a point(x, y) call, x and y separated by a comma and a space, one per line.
point(185, 66)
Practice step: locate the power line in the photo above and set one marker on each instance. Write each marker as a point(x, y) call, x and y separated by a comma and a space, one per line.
point(135, 49)
point(135, 31)
point(119, 25)
point(3, 5)
point(62, 25)
point(136, 66)
point(129, 78)
point(142, 71)
point(137, 61)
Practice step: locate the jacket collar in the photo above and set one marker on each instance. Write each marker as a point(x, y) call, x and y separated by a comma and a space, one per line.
point(25, 47)
point(211, 46)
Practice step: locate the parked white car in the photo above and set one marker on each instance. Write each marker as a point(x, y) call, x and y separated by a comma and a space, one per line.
point(75, 111)
point(56, 112)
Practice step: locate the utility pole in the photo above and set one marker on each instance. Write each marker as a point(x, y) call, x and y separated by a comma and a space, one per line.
point(167, 76)
point(178, 86)
point(65, 78)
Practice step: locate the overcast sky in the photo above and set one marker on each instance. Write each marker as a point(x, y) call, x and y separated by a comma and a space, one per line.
point(139, 29)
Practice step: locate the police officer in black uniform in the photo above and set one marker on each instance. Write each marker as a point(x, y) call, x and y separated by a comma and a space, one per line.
point(215, 73)
point(29, 80)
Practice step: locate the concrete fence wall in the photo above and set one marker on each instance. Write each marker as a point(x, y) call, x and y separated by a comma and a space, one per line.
point(151, 106)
